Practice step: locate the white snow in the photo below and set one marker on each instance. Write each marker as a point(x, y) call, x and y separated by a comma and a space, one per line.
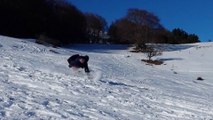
point(36, 83)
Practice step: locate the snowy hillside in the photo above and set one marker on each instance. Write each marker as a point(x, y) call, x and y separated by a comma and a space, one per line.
point(36, 83)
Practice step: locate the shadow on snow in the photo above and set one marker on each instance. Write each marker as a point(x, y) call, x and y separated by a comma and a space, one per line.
point(99, 48)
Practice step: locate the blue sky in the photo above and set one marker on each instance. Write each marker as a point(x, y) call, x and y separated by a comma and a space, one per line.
point(193, 16)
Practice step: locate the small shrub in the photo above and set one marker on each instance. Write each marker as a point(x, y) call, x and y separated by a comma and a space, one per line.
point(151, 52)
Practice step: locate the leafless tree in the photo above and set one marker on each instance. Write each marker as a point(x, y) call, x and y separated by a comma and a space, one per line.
point(136, 27)
point(95, 25)
point(146, 22)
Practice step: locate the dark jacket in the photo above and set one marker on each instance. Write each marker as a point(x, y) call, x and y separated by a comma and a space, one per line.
point(74, 61)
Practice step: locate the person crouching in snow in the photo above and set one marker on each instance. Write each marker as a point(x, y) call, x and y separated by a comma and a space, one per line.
point(77, 61)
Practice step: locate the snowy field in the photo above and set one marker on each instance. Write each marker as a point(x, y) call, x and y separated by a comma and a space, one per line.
point(36, 83)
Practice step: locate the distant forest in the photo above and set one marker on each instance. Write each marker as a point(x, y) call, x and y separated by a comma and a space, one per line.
point(60, 23)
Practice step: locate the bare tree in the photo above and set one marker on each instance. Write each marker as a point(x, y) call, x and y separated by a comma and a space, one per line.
point(136, 27)
point(145, 22)
point(95, 25)
point(143, 18)
point(122, 31)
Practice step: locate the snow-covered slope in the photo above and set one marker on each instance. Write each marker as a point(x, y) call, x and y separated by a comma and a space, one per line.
point(36, 83)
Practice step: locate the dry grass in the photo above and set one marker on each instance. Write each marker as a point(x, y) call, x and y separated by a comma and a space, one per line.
point(153, 62)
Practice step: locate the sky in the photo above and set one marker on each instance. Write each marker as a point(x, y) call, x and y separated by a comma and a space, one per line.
point(193, 16)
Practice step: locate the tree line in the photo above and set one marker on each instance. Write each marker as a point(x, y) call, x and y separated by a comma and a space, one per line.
point(59, 22)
